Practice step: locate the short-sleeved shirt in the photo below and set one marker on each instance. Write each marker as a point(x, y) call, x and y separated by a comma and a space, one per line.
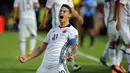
point(59, 40)
point(26, 8)
point(89, 11)
point(126, 9)
point(55, 6)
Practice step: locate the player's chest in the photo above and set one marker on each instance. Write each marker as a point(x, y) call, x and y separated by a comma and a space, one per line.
point(61, 34)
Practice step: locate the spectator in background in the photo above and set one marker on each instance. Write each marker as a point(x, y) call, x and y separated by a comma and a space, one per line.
point(88, 12)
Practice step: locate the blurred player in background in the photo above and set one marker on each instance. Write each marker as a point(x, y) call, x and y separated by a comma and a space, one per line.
point(89, 10)
point(54, 6)
point(110, 11)
point(27, 24)
point(55, 45)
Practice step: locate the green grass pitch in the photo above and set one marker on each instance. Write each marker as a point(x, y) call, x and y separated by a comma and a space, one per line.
point(9, 54)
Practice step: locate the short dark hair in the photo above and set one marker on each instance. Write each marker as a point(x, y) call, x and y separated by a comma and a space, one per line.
point(68, 7)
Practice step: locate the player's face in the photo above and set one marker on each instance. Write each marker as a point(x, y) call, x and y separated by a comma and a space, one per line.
point(64, 14)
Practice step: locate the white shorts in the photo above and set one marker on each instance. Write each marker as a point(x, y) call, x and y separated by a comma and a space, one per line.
point(112, 31)
point(57, 68)
point(27, 28)
point(125, 28)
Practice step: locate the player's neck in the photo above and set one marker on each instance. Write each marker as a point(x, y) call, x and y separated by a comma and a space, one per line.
point(63, 24)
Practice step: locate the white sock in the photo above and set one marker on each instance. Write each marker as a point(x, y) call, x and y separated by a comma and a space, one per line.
point(112, 55)
point(73, 63)
point(106, 50)
point(23, 47)
point(128, 57)
point(120, 55)
point(32, 43)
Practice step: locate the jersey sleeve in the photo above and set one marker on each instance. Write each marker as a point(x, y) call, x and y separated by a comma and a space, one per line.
point(70, 3)
point(73, 37)
point(47, 38)
point(49, 3)
point(16, 3)
point(123, 2)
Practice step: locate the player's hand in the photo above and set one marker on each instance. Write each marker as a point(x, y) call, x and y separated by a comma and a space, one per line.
point(118, 26)
point(23, 58)
point(70, 58)
point(42, 26)
point(14, 21)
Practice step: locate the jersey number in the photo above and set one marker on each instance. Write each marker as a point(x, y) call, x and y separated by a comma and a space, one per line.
point(55, 37)
point(26, 5)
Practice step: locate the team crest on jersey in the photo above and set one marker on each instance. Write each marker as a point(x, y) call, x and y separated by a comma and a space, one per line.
point(65, 31)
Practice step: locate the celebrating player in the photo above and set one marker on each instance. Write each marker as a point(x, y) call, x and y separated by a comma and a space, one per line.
point(54, 6)
point(56, 43)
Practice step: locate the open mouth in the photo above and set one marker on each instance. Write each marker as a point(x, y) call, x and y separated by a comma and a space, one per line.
point(61, 17)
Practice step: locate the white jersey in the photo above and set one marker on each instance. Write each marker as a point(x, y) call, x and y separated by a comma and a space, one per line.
point(108, 10)
point(58, 40)
point(126, 9)
point(26, 8)
point(55, 6)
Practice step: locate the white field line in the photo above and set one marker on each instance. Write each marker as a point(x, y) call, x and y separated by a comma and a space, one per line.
point(88, 56)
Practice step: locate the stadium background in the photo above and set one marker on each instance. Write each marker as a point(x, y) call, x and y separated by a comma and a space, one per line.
point(9, 43)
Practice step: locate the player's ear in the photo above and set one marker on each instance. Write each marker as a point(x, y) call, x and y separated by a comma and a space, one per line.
point(70, 15)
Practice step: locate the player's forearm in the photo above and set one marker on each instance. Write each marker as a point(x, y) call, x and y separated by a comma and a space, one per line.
point(38, 52)
point(120, 11)
point(73, 49)
point(76, 14)
point(45, 16)
point(116, 10)
point(15, 14)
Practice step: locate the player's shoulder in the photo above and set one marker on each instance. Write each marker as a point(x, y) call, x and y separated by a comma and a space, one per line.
point(72, 29)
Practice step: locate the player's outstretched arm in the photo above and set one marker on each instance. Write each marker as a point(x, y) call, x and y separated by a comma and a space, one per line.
point(36, 53)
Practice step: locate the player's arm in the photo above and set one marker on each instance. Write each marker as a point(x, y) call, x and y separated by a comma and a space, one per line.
point(15, 13)
point(77, 15)
point(15, 10)
point(73, 49)
point(119, 13)
point(45, 16)
point(36, 53)
point(49, 5)
point(115, 10)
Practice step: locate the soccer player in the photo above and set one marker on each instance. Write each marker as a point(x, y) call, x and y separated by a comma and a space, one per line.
point(27, 24)
point(55, 45)
point(89, 11)
point(110, 22)
point(54, 6)
point(123, 26)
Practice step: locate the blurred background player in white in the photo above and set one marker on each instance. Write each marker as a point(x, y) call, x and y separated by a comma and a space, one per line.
point(54, 6)
point(110, 11)
point(123, 26)
point(27, 24)
point(55, 54)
